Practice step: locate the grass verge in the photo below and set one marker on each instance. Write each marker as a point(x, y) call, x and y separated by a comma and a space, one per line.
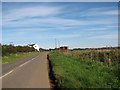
point(71, 72)
point(13, 57)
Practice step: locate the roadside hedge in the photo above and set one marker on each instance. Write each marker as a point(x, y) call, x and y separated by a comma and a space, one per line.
point(11, 49)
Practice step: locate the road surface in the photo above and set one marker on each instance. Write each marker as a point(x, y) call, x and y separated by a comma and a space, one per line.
point(30, 72)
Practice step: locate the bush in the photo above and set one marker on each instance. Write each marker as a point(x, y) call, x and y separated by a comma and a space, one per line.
point(11, 49)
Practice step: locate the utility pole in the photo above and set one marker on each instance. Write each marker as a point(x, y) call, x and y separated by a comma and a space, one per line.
point(59, 44)
point(11, 43)
point(55, 43)
point(62, 43)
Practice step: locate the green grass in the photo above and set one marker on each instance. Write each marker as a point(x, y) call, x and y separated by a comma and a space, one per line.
point(71, 72)
point(13, 57)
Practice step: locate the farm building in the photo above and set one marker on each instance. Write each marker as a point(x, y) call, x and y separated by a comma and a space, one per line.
point(64, 48)
point(35, 46)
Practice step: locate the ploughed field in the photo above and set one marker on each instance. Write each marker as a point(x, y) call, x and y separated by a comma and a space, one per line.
point(86, 68)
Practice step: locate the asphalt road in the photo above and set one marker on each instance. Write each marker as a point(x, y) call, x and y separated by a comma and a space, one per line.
point(30, 72)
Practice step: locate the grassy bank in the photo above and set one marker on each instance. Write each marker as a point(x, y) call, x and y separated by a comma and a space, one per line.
point(74, 72)
point(13, 57)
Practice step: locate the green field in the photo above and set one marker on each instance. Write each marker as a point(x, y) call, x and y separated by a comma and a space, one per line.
point(13, 57)
point(72, 71)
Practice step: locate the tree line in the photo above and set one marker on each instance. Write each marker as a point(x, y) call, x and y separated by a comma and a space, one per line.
point(11, 49)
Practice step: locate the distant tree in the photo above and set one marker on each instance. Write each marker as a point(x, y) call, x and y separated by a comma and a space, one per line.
point(10, 49)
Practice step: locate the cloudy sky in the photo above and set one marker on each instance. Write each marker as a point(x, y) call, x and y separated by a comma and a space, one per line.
point(73, 24)
point(60, 0)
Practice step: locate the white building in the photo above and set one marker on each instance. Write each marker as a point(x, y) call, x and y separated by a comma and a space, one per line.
point(36, 47)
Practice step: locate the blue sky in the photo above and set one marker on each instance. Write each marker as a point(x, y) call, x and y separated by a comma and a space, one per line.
point(77, 25)
point(60, 0)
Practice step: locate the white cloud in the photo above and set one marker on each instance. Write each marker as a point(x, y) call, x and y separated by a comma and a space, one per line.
point(105, 37)
point(94, 29)
point(33, 11)
point(29, 29)
point(104, 11)
point(113, 26)
point(57, 22)
point(65, 36)
point(111, 12)
point(26, 36)
point(23, 17)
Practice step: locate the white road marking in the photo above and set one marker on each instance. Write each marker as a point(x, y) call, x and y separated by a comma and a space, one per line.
point(19, 66)
point(6, 74)
point(24, 63)
point(27, 62)
point(33, 58)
